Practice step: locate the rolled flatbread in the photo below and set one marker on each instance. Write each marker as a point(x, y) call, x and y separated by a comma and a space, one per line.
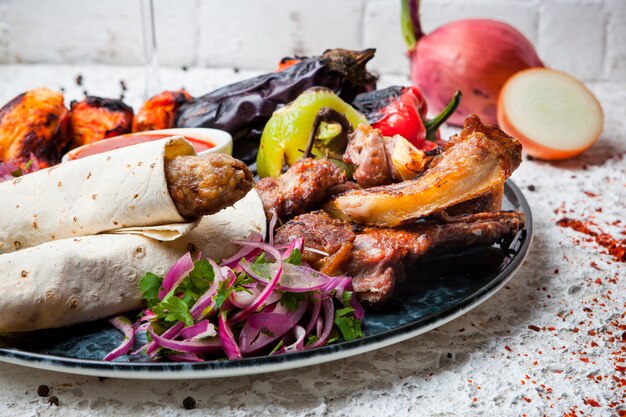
point(81, 279)
point(122, 188)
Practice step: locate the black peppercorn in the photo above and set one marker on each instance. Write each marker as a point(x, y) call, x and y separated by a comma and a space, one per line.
point(43, 390)
point(53, 400)
point(189, 403)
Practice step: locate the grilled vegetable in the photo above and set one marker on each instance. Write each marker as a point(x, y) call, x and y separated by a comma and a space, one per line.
point(34, 124)
point(287, 133)
point(243, 108)
point(402, 111)
point(96, 118)
point(159, 112)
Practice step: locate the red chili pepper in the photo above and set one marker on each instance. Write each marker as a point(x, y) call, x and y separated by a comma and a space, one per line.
point(402, 111)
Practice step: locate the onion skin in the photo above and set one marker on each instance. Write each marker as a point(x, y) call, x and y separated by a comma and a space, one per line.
point(475, 56)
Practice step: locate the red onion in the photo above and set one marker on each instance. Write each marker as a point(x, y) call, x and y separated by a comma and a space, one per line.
point(188, 346)
point(294, 278)
point(175, 275)
point(261, 329)
point(475, 56)
point(299, 334)
point(227, 339)
point(198, 331)
point(125, 326)
point(329, 317)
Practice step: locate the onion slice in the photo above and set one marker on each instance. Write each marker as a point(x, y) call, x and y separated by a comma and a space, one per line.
point(201, 347)
point(227, 339)
point(552, 114)
point(176, 274)
point(125, 326)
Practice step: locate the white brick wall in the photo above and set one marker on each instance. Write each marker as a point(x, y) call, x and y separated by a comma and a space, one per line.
point(584, 37)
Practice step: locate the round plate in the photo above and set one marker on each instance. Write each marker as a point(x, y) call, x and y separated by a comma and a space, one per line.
point(444, 289)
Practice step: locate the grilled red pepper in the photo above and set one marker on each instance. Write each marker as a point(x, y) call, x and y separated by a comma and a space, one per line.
point(402, 111)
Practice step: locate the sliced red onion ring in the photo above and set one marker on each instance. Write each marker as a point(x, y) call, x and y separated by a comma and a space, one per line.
point(261, 329)
point(297, 243)
point(315, 312)
point(200, 330)
point(245, 251)
point(227, 339)
point(201, 347)
point(329, 318)
point(269, 287)
point(359, 313)
point(242, 299)
point(299, 334)
point(125, 326)
point(271, 227)
point(294, 278)
point(176, 274)
point(201, 307)
point(170, 333)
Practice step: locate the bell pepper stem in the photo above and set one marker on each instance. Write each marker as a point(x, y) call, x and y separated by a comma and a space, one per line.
point(328, 115)
point(433, 124)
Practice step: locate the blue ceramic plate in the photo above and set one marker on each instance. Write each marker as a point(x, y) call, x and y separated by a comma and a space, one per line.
point(443, 290)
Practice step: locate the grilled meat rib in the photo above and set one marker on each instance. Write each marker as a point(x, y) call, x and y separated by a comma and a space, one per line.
point(475, 162)
point(159, 112)
point(96, 118)
point(35, 123)
point(378, 258)
point(302, 188)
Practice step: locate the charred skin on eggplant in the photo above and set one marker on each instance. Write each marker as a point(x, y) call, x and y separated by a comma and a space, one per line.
point(34, 125)
point(159, 112)
point(96, 118)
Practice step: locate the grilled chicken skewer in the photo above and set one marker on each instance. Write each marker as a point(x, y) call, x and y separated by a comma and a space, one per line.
point(378, 258)
point(476, 162)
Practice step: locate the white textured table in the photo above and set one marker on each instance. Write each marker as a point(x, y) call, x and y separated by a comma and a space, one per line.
point(552, 342)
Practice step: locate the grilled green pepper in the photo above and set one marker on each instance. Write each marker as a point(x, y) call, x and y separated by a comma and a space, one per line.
point(287, 133)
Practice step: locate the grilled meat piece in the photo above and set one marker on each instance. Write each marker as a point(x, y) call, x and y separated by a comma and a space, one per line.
point(35, 123)
point(301, 189)
point(96, 118)
point(323, 233)
point(159, 112)
point(477, 161)
point(382, 160)
point(202, 185)
point(378, 258)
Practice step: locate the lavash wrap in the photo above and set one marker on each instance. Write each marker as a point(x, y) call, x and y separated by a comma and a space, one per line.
point(122, 188)
point(81, 279)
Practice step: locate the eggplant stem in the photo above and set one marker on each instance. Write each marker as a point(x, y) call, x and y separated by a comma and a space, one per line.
point(433, 124)
point(328, 115)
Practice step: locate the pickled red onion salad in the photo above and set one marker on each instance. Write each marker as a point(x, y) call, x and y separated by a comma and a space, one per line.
point(263, 300)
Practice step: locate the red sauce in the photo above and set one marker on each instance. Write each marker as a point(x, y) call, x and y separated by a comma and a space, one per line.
point(133, 139)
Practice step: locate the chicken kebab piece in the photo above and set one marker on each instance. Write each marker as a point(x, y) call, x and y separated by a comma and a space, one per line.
point(35, 124)
point(377, 259)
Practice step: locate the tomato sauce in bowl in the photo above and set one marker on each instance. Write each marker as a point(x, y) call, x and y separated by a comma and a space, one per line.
point(203, 141)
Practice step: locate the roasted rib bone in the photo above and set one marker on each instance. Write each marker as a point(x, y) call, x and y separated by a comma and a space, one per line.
point(476, 162)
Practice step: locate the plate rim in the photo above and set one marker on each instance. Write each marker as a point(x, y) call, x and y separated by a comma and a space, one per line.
point(268, 364)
